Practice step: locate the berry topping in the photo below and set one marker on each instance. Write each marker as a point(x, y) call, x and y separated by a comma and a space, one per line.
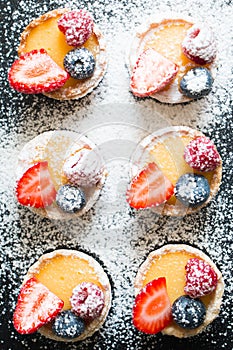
point(67, 325)
point(35, 187)
point(84, 167)
point(200, 278)
point(35, 307)
point(196, 83)
point(201, 154)
point(152, 72)
point(87, 300)
point(77, 26)
point(188, 313)
point(35, 72)
point(192, 190)
point(152, 308)
point(79, 63)
point(149, 188)
point(70, 198)
point(199, 44)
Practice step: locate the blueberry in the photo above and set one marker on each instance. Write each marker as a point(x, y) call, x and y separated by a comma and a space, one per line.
point(70, 198)
point(68, 325)
point(79, 63)
point(196, 83)
point(192, 190)
point(188, 313)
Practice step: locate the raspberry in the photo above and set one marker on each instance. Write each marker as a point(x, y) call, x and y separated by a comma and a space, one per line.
point(77, 26)
point(199, 44)
point(201, 154)
point(200, 278)
point(87, 300)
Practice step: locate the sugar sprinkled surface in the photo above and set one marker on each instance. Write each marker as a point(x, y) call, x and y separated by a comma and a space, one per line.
point(120, 237)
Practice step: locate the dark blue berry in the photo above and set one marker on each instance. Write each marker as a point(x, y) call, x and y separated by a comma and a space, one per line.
point(188, 312)
point(192, 190)
point(79, 63)
point(196, 83)
point(67, 325)
point(70, 198)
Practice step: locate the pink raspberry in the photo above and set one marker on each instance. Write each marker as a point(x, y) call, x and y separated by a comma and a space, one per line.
point(201, 279)
point(199, 44)
point(87, 300)
point(77, 25)
point(201, 154)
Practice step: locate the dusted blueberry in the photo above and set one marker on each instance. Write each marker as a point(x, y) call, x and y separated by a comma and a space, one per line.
point(68, 325)
point(188, 313)
point(79, 63)
point(196, 83)
point(192, 190)
point(70, 198)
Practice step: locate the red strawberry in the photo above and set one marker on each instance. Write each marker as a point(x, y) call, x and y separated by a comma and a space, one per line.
point(200, 278)
point(151, 73)
point(35, 307)
point(36, 72)
point(35, 188)
point(152, 307)
point(149, 188)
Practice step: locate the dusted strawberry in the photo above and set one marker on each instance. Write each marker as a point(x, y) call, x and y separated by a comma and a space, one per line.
point(151, 73)
point(152, 307)
point(35, 307)
point(149, 188)
point(35, 72)
point(35, 187)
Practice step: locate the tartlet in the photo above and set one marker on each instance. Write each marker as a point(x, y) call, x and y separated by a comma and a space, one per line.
point(61, 271)
point(61, 151)
point(166, 148)
point(43, 33)
point(169, 262)
point(165, 34)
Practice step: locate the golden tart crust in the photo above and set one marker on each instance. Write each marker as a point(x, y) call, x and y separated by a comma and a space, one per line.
point(145, 36)
point(79, 88)
point(94, 326)
point(214, 304)
point(145, 154)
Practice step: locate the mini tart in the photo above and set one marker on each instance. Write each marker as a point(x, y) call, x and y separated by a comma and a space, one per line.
point(165, 147)
point(55, 147)
point(165, 34)
point(169, 262)
point(43, 32)
point(61, 271)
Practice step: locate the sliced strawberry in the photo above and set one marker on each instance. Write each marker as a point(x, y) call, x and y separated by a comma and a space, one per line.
point(35, 187)
point(149, 188)
point(152, 307)
point(36, 72)
point(35, 307)
point(151, 73)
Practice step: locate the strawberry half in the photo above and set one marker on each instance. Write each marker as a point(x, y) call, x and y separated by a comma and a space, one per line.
point(151, 73)
point(36, 72)
point(152, 307)
point(149, 188)
point(35, 187)
point(35, 307)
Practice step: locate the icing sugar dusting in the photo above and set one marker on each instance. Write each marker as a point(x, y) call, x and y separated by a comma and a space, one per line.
point(116, 121)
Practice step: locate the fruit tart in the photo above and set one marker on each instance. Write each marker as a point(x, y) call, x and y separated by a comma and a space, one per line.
point(178, 292)
point(172, 59)
point(62, 55)
point(59, 174)
point(65, 296)
point(175, 171)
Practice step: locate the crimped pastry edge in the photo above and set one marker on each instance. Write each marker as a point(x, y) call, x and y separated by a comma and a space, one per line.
point(84, 87)
point(178, 209)
point(103, 278)
point(213, 308)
